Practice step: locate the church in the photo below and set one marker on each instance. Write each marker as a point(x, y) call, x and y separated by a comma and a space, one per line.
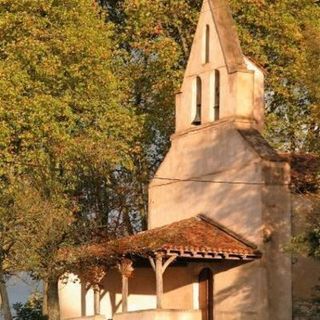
point(219, 205)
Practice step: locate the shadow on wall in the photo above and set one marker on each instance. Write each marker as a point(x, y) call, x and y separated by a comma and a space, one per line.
point(179, 288)
point(142, 289)
point(211, 163)
point(221, 171)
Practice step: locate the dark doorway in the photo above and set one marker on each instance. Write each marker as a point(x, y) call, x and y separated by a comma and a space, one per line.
point(206, 294)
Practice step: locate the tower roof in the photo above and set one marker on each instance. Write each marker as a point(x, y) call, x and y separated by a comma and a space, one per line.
point(226, 29)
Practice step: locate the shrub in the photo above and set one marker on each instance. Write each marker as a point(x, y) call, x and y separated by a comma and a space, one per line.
point(31, 310)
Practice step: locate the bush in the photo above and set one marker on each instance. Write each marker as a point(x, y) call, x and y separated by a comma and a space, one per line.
point(31, 310)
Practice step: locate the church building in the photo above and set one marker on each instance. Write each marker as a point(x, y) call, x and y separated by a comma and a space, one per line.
point(219, 205)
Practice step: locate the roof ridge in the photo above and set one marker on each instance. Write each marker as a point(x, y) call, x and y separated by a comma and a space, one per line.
point(228, 36)
point(231, 233)
point(260, 145)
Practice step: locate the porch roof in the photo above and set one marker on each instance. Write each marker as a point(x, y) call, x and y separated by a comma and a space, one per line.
point(196, 238)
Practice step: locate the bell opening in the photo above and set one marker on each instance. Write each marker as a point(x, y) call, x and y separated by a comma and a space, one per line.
point(197, 120)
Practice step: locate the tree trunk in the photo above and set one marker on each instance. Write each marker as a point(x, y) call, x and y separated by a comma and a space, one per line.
point(53, 299)
point(4, 302)
point(45, 299)
point(184, 43)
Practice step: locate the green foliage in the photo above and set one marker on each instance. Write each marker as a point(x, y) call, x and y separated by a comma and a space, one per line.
point(157, 37)
point(65, 128)
point(154, 39)
point(283, 37)
point(62, 116)
point(57, 83)
point(307, 242)
point(31, 310)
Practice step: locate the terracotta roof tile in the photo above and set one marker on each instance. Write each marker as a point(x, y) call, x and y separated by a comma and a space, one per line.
point(196, 236)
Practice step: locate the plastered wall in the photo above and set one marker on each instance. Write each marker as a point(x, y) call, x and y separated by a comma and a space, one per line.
point(178, 293)
point(197, 160)
point(214, 171)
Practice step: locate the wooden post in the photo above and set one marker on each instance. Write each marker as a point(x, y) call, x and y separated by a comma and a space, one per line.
point(125, 291)
point(159, 269)
point(126, 269)
point(159, 280)
point(83, 298)
point(91, 278)
point(96, 298)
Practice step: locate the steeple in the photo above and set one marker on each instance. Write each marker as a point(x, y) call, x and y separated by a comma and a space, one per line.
point(219, 82)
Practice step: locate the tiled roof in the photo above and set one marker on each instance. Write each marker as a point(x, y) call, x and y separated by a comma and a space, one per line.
point(197, 237)
point(260, 145)
point(305, 167)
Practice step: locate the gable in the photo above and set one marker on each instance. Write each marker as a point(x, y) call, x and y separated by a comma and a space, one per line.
point(224, 45)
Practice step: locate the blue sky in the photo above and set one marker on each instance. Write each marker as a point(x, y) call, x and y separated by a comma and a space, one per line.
point(20, 287)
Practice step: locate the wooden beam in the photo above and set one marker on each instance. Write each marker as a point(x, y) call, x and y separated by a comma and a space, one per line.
point(152, 263)
point(159, 269)
point(212, 255)
point(167, 263)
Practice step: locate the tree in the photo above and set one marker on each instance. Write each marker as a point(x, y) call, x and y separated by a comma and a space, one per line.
point(66, 127)
point(155, 38)
point(282, 37)
point(31, 310)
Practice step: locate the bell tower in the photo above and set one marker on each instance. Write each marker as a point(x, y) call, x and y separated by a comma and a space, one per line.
point(220, 166)
point(219, 82)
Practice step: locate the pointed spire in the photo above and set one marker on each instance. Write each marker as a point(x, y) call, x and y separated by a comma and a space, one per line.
point(227, 32)
point(219, 82)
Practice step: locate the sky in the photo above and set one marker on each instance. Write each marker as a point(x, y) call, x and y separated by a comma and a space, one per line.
point(20, 287)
